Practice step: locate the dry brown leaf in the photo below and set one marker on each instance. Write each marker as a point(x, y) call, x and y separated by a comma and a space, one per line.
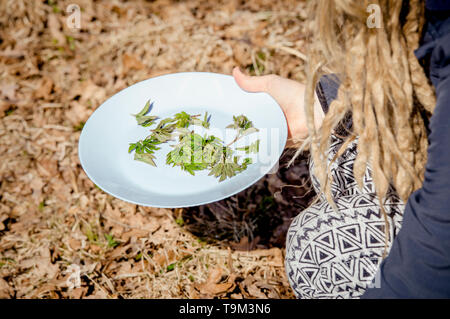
point(4, 106)
point(268, 290)
point(244, 244)
point(6, 291)
point(46, 288)
point(258, 37)
point(164, 258)
point(3, 218)
point(36, 185)
point(118, 252)
point(98, 294)
point(77, 293)
point(8, 90)
point(158, 212)
point(255, 292)
point(217, 289)
point(214, 276)
point(213, 286)
point(47, 166)
point(55, 29)
point(74, 244)
point(19, 210)
point(95, 248)
point(60, 189)
point(242, 54)
point(40, 265)
point(90, 93)
point(124, 268)
point(131, 62)
point(138, 233)
point(78, 113)
point(274, 254)
point(44, 90)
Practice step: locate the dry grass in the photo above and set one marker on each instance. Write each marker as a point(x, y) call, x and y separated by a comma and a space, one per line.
point(56, 226)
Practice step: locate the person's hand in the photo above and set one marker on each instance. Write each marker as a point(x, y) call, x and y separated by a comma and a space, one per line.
point(289, 95)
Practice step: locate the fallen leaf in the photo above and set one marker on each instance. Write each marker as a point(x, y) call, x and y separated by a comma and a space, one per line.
point(78, 113)
point(90, 93)
point(55, 29)
point(131, 62)
point(9, 90)
point(6, 291)
point(95, 248)
point(164, 258)
point(36, 185)
point(40, 265)
point(244, 244)
point(214, 275)
point(44, 90)
point(138, 233)
point(213, 286)
point(47, 166)
point(74, 244)
point(77, 293)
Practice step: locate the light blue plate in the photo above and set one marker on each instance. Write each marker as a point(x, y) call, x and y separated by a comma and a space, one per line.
point(104, 141)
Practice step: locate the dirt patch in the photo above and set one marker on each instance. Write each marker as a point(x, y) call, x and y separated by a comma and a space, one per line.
point(258, 217)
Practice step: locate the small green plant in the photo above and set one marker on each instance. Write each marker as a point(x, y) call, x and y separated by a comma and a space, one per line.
point(111, 241)
point(10, 110)
point(54, 6)
point(193, 152)
point(71, 42)
point(91, 235)
point(79, 126)
point(171, 267)
point(41, 206)
point(180, 221)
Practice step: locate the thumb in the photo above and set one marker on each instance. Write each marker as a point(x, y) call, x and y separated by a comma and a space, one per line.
point(284, 91)
point(252, 83)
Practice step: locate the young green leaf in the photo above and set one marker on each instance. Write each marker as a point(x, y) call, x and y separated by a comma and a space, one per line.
point(132, 147)
point(243, 125)
point(183, 119)
point(252, 148)
point(146, 120)
point(193, 152)
point(144, 110)
point(249, 131)
point(145, 157)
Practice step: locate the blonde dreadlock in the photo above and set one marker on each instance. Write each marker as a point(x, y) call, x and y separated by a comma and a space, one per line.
point(383, 86)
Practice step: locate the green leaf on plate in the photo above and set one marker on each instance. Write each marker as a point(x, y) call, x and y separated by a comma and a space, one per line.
point(145, 157)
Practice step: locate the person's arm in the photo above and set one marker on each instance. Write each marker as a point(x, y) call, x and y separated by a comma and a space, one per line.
point(418, 265)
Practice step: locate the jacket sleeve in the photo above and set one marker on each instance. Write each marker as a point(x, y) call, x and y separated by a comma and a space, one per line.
point(418, 265)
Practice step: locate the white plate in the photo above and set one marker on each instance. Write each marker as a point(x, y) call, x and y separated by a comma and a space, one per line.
point(106, 136)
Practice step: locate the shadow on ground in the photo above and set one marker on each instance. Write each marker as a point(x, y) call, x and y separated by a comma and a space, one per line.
point(257, 217)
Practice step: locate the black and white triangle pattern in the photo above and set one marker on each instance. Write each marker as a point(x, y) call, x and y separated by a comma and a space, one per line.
point(333, 254)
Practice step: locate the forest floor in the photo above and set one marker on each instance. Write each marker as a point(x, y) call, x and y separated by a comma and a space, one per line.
point(63, 237)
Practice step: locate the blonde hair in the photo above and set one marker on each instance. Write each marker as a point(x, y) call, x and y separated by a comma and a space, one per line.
point(383, 86)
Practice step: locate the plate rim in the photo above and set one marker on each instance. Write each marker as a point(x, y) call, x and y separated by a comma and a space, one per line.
point(266, 171)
